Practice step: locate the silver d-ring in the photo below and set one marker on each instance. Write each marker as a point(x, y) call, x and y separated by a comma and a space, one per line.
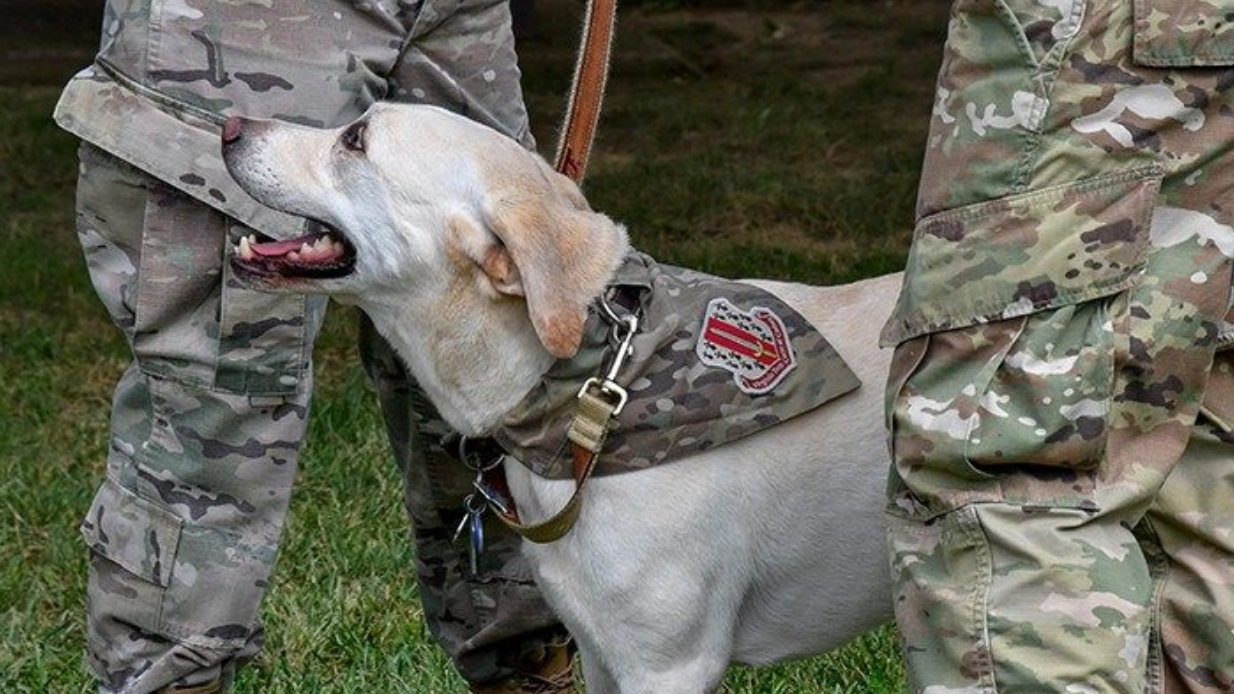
point(472, 460)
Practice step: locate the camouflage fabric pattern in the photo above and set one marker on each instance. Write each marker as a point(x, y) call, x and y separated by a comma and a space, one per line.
point(1189, 541)
point(185, 528)
point(180, 67)
point(1184, 33)
point(678, 405)
point(1060, 311)
point(207, 422)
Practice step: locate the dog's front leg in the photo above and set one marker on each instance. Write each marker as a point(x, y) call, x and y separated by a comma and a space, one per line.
point(599, 680)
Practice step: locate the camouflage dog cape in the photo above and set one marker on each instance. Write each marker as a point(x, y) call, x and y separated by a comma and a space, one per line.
point(714, 361)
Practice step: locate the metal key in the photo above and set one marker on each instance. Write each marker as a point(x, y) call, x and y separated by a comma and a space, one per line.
point(462, 525)
point(474, 505)
point(476, 548)
point(490, 495)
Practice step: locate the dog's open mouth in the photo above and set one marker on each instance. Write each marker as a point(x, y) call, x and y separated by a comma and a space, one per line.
point(321, 254)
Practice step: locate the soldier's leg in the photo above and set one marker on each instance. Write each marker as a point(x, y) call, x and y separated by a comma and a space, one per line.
point(1190, 541)
point(1025, 452)
point(494, 625)
point(1003, 598)
point(206, 425)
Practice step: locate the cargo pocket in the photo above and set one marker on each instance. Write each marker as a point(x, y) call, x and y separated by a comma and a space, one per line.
point(1169, 33)
point(175, 325)
point(195, 324)
point(1011, 312)
point(182, 580)
point(264, 338)
point(134, 543)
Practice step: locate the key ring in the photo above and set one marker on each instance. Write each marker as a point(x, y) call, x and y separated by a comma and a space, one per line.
point(473, 461)
point(475, 503)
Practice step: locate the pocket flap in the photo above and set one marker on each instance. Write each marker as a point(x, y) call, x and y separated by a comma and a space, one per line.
point(135, 533)
point(1170, 33)
point(1025, 253)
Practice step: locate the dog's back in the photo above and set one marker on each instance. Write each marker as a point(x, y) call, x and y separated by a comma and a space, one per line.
point(768, 548)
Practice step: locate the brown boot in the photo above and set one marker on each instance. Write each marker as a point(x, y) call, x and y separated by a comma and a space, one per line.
point(551, 672)
point(211, 687)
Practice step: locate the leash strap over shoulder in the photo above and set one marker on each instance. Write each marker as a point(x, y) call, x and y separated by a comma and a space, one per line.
point(587, 93)
point(595, 410)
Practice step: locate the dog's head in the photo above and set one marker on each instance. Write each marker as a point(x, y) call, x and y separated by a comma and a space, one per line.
point(418, 204)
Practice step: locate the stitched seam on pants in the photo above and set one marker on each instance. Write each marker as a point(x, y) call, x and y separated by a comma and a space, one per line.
point(981, 602)
point(141, 458)
point(1046, 76)
point(1155, 671)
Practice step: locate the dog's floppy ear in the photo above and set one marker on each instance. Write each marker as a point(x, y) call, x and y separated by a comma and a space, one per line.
point(560, 255)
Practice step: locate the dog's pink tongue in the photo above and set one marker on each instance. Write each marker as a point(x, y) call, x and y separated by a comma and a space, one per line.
point(277, 248)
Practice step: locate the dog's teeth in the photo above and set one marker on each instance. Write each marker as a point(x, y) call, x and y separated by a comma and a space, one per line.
point(294, 255)
point(305, 248)
point(246, 250)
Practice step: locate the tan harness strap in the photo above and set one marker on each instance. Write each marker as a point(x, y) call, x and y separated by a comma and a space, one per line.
point(556, 527)
point(587, 93)
point(587, 433)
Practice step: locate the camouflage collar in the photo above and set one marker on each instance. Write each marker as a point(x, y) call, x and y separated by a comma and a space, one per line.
point(713, 361)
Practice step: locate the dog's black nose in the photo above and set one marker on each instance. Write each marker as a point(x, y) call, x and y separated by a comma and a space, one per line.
point(231, 129)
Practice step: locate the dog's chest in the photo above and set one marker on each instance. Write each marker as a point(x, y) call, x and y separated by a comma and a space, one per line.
point(713, 361)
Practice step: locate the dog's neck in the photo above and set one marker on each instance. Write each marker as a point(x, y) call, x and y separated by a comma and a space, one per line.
point(474, 365)
point(476, 357)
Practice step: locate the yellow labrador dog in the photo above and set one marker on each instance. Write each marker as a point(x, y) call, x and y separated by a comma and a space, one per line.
point(478, 263)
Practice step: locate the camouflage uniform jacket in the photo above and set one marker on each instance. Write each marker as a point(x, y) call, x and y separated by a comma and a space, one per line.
point(149, 101)
point(713, 361)
point(1035, 198)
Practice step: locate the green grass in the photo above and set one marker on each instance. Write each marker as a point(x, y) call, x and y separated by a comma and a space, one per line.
point(782, 144)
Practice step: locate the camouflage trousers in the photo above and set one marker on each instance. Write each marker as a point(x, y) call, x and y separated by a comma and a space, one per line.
point(1061, 514)
point(208, 420)
point(1028, 558)
point(185, 529)
point(1062, 488)
point(1009, 598)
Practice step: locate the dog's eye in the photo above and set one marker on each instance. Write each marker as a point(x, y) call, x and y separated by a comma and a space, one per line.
point(353, 137)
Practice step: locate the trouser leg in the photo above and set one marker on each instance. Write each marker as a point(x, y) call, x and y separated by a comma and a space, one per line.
point(461, 57)
point(184, 530)
point(1001, 598)
point(185, 535)
point(1190, 537)
point(491, 623)
point(998, 597)
point(1019, 569)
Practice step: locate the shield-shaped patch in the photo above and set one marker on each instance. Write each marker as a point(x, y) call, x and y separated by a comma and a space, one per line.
point(752, 345)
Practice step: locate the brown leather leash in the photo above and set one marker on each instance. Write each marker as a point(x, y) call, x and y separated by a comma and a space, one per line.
point(598, 401)
point(587, 91)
